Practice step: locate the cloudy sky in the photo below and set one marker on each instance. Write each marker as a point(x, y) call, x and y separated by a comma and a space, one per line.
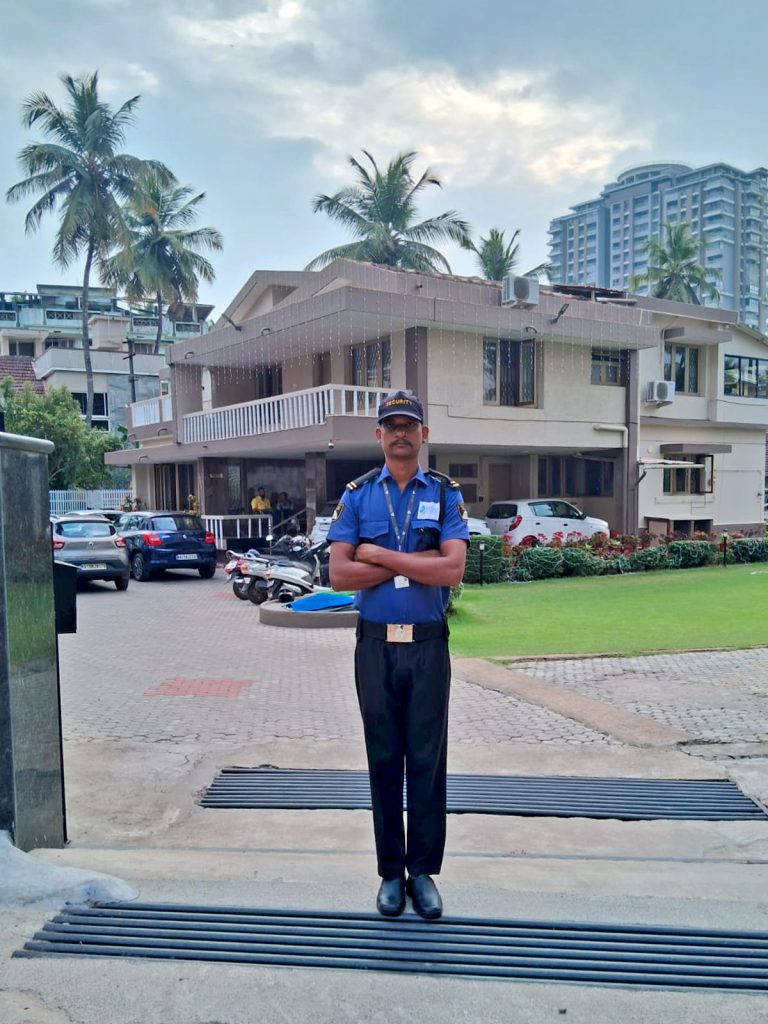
point(521, 108)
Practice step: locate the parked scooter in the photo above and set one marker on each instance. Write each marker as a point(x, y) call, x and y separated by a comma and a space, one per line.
point(283, 577)
point(246, 571)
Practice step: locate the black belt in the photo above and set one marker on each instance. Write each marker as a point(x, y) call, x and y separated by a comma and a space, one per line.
point(402, 633)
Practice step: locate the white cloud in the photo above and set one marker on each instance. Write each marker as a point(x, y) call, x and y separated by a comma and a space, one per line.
point(322, 72)
point(123, 79)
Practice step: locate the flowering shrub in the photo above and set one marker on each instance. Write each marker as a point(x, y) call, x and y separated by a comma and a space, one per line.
point(576, 555)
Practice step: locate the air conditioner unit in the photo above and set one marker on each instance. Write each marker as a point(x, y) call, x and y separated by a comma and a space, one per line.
point(662, 392)
point(519, 291)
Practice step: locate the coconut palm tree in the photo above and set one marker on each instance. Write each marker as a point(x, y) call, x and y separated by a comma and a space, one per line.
point(496, 257)
point(380, 211)
point(82, 172)
point(161, 258)
point(674, 270)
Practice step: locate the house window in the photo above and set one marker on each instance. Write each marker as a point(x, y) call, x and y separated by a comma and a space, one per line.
point(269, 381)
point(746, 377)
point(609, 366)
point(371, 364)
point(566, 476)
point(508, 372)
point(696, 479)
point(21, 348)
point(59, 343)
point(465, 474)
point(681, 364)
point(100, 404)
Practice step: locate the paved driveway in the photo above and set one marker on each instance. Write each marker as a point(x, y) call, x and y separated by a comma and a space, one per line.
point(182, 659)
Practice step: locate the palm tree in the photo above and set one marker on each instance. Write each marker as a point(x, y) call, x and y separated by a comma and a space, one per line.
point(81, 171)
point(674, 271)
point(380, 210)
point(161, 255)
point(496, 257)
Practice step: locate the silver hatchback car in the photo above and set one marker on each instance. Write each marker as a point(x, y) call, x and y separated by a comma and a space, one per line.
point(93, 545)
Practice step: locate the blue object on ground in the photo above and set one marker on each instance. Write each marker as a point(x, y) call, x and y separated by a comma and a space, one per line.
point(321, 602)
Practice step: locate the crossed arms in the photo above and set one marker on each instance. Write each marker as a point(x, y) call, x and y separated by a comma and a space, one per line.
point(367, 565)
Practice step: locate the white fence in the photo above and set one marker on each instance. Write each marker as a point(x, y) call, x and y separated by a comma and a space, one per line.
point(73, 501)
point(284, 412)
point(237, 526)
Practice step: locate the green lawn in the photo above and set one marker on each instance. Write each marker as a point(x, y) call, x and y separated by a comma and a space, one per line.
point(654, 611)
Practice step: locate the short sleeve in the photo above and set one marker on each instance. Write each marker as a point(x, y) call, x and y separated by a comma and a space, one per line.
point(454, 525)
point(345, 522)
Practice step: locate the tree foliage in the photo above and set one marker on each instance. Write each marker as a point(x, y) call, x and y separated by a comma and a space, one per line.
point(674, 271)
point(80, 171)
point(380, 211)
point(496, 257)
point(78, 456)
point(160, 257)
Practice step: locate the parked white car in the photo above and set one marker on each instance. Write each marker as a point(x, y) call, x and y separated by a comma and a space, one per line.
point(538, 520)
point(323, 523)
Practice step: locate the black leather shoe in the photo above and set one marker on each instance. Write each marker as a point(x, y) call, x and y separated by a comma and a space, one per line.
point(391, 898)
point(425, 897)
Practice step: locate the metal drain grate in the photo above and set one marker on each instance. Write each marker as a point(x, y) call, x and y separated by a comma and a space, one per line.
point(532, 950)
point(537, 796)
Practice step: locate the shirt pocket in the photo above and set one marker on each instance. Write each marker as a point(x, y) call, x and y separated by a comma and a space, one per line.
point(426, 535)
point(374, 531)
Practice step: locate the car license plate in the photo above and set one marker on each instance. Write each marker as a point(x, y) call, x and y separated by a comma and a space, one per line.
point(94, 565)
point(186, 558)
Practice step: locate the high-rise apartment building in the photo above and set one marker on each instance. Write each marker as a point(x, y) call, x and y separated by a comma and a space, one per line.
point(603, 241)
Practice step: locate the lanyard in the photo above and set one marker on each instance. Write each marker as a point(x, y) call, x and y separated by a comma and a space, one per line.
point(398, 534)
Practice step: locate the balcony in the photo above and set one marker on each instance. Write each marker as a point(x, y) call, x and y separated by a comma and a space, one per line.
point(151, 411)
point(283, 412)
point(146, 327)
point(7, 318)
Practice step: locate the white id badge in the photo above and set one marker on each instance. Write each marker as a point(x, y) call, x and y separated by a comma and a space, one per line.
point(401, 581)
point(428, 510)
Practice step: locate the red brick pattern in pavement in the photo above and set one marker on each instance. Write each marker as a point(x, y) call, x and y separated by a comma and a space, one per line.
point(186, 686)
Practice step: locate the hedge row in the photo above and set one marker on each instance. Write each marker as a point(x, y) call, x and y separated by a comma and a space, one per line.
point(498, 562)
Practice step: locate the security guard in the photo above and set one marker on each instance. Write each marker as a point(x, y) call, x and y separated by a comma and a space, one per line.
point(400, 540)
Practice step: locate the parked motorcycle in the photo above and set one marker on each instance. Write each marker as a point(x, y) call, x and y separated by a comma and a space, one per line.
point(280, 575)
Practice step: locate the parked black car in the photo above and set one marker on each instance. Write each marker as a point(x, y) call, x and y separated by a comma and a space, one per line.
point(157, 541)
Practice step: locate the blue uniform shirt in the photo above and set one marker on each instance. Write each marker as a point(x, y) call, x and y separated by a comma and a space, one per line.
point(363, 514)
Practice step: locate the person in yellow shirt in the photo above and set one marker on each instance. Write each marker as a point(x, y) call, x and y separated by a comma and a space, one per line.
point(260, 503)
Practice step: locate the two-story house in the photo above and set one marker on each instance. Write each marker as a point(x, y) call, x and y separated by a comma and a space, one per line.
point(542, 398)
point(46, 326)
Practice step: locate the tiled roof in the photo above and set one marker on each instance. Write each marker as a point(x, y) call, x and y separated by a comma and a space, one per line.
point(20, 369)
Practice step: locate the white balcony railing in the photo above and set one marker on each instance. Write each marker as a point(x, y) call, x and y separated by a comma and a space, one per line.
point(284, 412)
point(151, 411)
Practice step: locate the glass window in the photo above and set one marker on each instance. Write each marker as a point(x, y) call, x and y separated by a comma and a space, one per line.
point(508, 372)
point(85, 529)
point(681, 364)
point(698, 479)
point(745, 377)
point(609, 366)
point(21, 348)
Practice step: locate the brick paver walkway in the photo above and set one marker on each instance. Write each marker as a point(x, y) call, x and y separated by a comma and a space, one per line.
point(719, 696)
point(182, 659)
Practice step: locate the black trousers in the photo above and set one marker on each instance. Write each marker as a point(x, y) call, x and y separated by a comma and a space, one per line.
point(403, 692)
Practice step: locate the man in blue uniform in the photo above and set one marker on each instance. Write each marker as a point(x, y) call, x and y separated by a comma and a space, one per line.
point(399, 538)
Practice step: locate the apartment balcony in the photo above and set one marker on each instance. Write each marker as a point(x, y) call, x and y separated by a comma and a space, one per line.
point(151, 412)
point(294, 411)
point(146, 327)
point(8, 318)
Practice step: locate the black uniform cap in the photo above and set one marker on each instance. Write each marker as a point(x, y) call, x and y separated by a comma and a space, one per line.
point(401, 403)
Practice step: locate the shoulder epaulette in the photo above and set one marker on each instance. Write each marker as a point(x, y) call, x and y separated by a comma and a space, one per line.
point(354, 484)
point(444, 479)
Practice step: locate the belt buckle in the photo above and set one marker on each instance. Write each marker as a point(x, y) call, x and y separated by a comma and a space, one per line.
point(399, 634)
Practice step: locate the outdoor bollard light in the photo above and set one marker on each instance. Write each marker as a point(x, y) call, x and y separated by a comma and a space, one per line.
point(725, 547)
point(481, 549)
